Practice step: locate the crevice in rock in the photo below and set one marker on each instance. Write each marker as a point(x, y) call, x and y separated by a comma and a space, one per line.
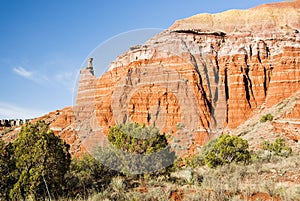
point(215, 96)
point(267, 78)
point(226, 85)
point(207, 78)
point(246, 59)
point(217, 79)
point(265, 82)
point(246, 85)
point(250, 84)
point(200, 32)
point(258, 57)
point(200, 87)
point(226, 92)
point(148, 117)
point(202, 91)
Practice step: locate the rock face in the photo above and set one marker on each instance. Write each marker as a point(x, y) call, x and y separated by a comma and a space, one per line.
point(204, 74)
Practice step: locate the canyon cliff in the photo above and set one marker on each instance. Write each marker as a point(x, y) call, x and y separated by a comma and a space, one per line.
point(205, 75)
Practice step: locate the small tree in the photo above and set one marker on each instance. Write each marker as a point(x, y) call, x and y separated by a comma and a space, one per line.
point(41, 161)
point(137, 149)
point(267, 117)
point(226, 149)
point(279, 147)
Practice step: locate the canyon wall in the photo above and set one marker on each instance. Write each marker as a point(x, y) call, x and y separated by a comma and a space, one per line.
point(204, 74)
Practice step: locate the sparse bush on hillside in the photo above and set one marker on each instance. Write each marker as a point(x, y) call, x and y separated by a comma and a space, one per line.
point(194, 161)
point(226, 149)
point(137, 150)
point(279, 147)
point(267, 117)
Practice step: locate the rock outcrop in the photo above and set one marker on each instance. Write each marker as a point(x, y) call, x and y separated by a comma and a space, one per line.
point(206, 73)
point(13, 122)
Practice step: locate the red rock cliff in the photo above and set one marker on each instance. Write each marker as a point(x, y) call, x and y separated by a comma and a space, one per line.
point(206, 73)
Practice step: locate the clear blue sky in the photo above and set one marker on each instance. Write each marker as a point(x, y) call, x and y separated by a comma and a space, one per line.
point(44, 43)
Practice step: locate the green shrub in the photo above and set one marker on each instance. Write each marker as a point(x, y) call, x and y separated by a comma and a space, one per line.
point(136, 149)
point(194, 161)
point(226, 149)
point(267, 117)
point(41, 160)
point(279, 147)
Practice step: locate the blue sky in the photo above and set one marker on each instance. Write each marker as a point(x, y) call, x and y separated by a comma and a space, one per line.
point(44, 43)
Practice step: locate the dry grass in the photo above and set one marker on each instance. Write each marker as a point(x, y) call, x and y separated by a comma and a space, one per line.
point(274, 179)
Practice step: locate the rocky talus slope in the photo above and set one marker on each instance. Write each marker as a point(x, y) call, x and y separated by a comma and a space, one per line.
point(207, 74)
